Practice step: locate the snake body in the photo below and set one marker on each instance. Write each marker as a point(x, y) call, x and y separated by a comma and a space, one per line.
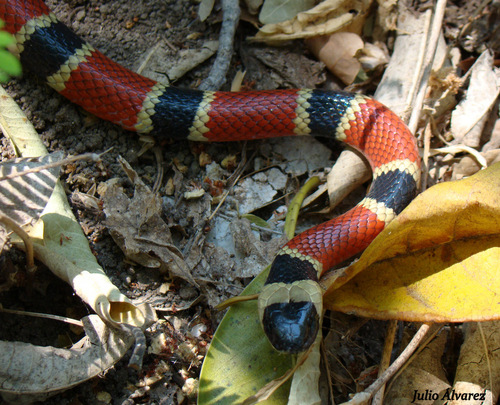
point(290, 304)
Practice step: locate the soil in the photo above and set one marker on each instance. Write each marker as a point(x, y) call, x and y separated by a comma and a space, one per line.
point(126, 31)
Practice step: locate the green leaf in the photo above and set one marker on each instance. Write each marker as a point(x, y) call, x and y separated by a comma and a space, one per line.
point(254, 219)
point(9, 63)
point(6, 39)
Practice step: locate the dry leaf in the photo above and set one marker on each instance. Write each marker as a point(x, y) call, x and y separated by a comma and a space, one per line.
point(205, 8)
point(373, 56)
point(437, 261)
point(58, 238)
point(23, 198)
point(469, 165)
point(305, 383)
point(469, 117)
point(253, 5)
point(324, 19)
point(387, 15)
point(425, 372)
point(37, 372)
point(337, 53)
point(479, 361)
point(275, 11)
point(137, 227)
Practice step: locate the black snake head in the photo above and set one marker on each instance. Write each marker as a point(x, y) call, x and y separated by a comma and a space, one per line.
point(291, 327)
point(291, 314)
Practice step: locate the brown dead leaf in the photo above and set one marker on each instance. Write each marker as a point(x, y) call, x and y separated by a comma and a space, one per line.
point(137, 227)
point(425, 372)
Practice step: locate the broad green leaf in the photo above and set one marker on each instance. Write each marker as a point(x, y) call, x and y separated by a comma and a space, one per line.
point(437, 261)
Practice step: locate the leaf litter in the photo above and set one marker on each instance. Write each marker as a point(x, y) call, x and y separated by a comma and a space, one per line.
point(440, 168)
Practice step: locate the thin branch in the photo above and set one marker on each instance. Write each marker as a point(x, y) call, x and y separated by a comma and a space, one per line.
point(363, 397)
point(86, 156)
point(230, 19)
point(45, 316)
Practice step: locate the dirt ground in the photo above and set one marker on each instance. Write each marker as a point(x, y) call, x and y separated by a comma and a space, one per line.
point(126, 31)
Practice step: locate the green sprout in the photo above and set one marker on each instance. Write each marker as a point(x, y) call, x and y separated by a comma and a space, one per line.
point(9, 64)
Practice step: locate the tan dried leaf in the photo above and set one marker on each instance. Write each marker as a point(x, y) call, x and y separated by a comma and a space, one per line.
point(276, 11)
point(337, 53)
point(469, 118)
point(37, 372)
point(324, 19)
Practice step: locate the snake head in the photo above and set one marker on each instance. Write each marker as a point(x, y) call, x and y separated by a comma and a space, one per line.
point(291, 314)
point(291, 327)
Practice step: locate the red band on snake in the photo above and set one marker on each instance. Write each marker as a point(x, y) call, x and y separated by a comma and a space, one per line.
point(290, 304)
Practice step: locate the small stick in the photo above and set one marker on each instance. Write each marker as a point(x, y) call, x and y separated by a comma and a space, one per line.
point(86, 156)
point(364, 397)
point(45, 316)
point(230, 19)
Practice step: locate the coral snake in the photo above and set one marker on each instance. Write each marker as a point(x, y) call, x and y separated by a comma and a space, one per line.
point(290, 304)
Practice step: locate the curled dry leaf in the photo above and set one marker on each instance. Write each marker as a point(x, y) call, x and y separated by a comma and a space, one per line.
point(59, 241)
point(305, 381)
point(324, 19)
point(436, 262)
point(373, 56)
point(36, 372)
point(137, 227)
point(468, 165)
point(337, 53)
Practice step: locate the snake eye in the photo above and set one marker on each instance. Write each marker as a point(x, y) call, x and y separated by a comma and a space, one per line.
point(291, 326)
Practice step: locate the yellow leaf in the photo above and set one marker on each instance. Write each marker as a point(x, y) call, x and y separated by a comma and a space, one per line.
point(437, 261)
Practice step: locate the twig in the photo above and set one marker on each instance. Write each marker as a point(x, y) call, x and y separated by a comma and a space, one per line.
point(45, 316)
point(436, 26)
point(230, 19)
point(363, 397)
point(70, 159)
point(433, 332)
point(386, 358)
